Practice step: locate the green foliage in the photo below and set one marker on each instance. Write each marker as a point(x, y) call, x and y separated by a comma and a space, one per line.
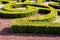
point(20, 14)
point(56, 6)
point(6, 1)
point(57, 0)
point(41, 24)
point(37, 1)
point(25, 26)
point(46, 18)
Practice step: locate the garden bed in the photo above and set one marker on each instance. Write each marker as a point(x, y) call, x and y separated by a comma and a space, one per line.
point(34, 14)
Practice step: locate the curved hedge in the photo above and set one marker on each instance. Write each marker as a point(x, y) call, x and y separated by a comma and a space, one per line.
point(45, 18)
point(19, 14)
point(11, 6)
point(37, 1)
point(40, 24)
point(8, 9)
point(56, 6)
point(7, 1)
point(56, 0)
point(26, 1)
point(29, 26)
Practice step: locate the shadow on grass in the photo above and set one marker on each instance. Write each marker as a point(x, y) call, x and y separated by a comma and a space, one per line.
point(7, 32)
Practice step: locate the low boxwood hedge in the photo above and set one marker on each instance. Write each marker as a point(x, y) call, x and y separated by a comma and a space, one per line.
point(30, 10)
point(37, 25)
point(11, 6)
point(26, 1)
point(46, 18)
point(26, 26)
point(40, 24)
point(56, 0)
point(56, 6)
point(36, 1)
point(19, 14)
point(7, 1)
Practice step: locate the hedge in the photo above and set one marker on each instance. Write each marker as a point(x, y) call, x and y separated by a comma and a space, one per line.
point(30, 10)
point(37, 1)
point(36, 25)
point(26, 1)
point(56, 0)
point(11, 6)
point(22, 13)
point(40, 24)
point(25, 26)
point(52, 15)
point(7, 1)
point(56, 6)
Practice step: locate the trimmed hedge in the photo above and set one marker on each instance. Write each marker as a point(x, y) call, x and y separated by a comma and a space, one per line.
point(30, 10)
point(37, 25)
point(56, 0)
point(52, 15)
point(19, 14)
point(25, 26)
point(11, 6)
point(26, 1)
point(56, 6)
point(40, 24)
point(37, 1)
point(7, 1)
